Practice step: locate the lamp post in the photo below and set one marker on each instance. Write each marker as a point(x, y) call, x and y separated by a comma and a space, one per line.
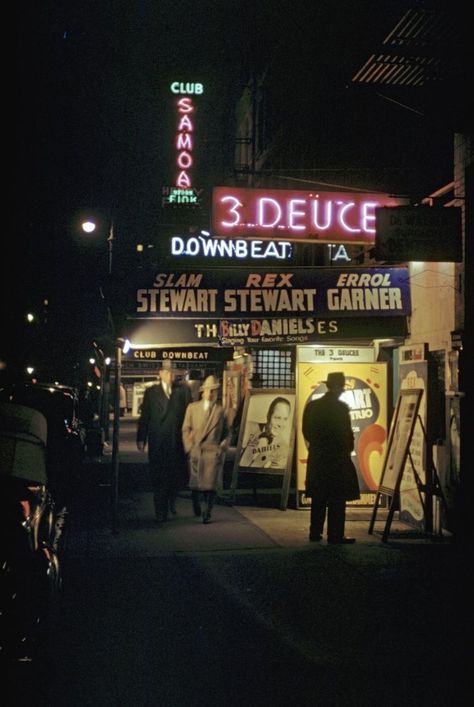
point(121, 346)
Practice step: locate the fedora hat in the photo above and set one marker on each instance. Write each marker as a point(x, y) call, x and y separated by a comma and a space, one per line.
point(168, 366)
point(335, 380)
point(211, 383)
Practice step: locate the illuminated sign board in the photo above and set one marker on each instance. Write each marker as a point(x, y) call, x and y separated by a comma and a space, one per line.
point(319, 217)
point(208, 247)
point(185, 124)
point(176, 197)
point(276, 292)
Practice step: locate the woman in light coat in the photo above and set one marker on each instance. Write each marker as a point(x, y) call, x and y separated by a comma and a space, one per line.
point(205, 434)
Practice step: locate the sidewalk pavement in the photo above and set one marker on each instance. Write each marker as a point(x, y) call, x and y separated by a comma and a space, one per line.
point(250, 522)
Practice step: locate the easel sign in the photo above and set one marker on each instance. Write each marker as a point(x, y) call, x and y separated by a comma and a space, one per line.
point(266, 437)
point(398, 450)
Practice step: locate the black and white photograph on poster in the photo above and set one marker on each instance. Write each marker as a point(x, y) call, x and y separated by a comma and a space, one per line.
point(267, 438)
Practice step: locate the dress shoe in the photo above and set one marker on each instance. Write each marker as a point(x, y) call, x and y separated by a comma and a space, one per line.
point(315, 538)
point(341, 541)
point(206, 517)
point(161, 517)
point(197, 510)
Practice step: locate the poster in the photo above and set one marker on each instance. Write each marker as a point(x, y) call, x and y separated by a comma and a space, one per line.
point(414, 376)
point(366, 396)
point(265, 443)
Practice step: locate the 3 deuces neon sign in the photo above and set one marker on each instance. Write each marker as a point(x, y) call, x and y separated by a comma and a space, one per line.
point(323, 217)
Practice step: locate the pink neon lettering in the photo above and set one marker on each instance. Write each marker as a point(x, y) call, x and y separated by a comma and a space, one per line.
point(183, 181)
point(185, 105)
point(184, 160)
point(185, 125)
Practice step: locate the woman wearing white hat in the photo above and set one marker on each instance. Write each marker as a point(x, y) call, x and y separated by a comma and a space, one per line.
point(205, 438)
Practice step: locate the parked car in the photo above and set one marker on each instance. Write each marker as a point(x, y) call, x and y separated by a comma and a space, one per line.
point(32, 530)
point(65, 432)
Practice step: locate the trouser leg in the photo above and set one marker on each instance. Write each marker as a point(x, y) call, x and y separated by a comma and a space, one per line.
point(318, 515)
point(209, 497)
point(336, 519)
point(195, 497)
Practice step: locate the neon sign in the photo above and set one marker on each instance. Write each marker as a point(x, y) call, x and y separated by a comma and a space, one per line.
point(205, 247)
point(184, 138)
point(184, 142)
point(322, 217)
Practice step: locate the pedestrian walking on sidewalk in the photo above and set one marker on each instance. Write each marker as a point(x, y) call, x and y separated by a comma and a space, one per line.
point(159, 426)
point(331, 478)
point(206, 435)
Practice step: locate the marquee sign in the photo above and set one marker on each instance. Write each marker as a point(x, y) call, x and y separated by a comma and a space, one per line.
point(277, 292)
point(281, 331)
point(321, 217)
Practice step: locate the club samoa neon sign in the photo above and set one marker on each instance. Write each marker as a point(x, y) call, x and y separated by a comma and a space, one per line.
point(184, 138)
point(321, 217)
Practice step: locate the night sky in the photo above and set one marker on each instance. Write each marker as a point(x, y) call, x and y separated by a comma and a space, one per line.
point(91, 119)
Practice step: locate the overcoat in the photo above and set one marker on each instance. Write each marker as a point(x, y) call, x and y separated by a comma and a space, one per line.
point(205, 438)
point(159, 425)
point(330, 473)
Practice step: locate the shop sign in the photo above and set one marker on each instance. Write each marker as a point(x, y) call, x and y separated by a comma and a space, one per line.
point(207, 247)
point(319, 217)
point(269, 331)
point(184, 136)
point(179, 354)
point(418, 233)
point(326, 354)
point(413, 352)
point(302, 293)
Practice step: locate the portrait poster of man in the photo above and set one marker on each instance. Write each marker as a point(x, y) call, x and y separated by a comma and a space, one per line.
point(266, 438)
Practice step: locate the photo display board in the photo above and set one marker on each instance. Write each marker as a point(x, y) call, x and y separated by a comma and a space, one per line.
point(266, 437)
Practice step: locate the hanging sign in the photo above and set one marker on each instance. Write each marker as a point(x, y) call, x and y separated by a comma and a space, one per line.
point(319, 217)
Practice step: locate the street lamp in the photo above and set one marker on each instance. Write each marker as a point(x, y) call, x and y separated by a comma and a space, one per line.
point(89, 226)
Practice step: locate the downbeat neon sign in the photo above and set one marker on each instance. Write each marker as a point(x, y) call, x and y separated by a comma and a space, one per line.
point(323, 217)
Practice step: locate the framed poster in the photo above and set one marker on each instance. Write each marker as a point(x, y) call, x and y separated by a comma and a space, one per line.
point(398, 449)
point(231, 393)
point(267, 436)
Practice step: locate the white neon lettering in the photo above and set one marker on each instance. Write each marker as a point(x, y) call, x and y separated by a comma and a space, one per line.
point(293, 213)
point(233, 209)
point(184, 142)
point(342, 214)
point(262, 204)
point(368, 215)
point(328, 214)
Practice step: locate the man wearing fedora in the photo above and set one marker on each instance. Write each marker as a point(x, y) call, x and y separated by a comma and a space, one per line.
point(159, 426)
point(331, 478)
point(205, 437)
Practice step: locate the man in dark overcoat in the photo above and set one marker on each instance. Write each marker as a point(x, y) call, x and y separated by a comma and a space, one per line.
point(331, 478)
point(159, 426)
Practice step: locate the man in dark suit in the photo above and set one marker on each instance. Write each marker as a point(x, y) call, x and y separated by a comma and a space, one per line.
point(331, 478)
point(159, 426)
